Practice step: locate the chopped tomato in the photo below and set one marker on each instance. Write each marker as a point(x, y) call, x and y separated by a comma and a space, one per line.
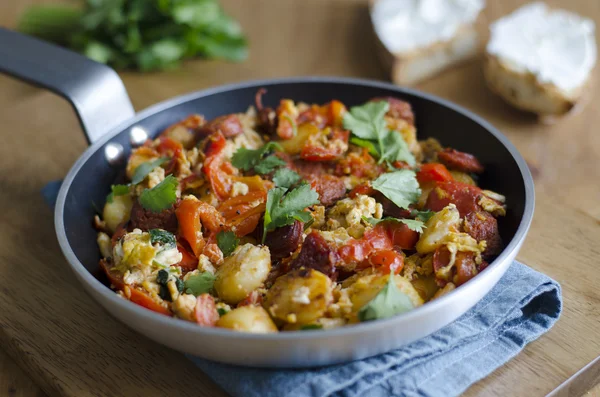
point(169, 147)
point(441, 258)
point(188, 262)
point(364, 188)
point(137, 296)
point(206, 311)
point(386, 260)
point(325, 147)
point(399, 234)
point(330, 114)
point(216, 170)
point(466, 268)
point(246, 222)
point(433, 172)
point(462, 195)
point(192, 215)
point(361, 165)
point(143, 299)
point(460, 161)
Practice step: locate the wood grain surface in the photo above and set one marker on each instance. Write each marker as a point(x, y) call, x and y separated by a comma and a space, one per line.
point(68, 345)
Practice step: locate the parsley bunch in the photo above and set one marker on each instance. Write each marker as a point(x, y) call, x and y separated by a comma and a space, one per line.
point(139, 34)
point(263, 161)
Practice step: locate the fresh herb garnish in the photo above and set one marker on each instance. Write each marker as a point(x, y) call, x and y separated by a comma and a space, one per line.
point(308, 327)
point(162, 277)
point(413, 224)
point(161, 196)
point(227, 242)
point(269, 164)
point(367, 123)
point(284, 208)
point(162, 237)
point(389, 302)
point(422, 215)
point(284, 177)
point(179, 284)
point(144, 35)
point(145, 168)
point(117, 190)
point(247, 159)
point(400, 186)
point(198, 284)
point(222, 311)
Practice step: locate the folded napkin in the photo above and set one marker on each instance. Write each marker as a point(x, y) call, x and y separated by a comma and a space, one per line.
point(521, 307)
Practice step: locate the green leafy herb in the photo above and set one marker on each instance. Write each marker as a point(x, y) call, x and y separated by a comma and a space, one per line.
point(368, 125)
point(366, 144)
point(413, 224)
point(389, 302)
point(139, 34)
point(179, 284)
point(222, 311)
point(269, 164)
point(284, 177)
point(400, 186)
point(162, 277)
point(308, 327)
point(283, 209)
point(164, 293)
point(247, 159)
point(161, 196)
point(117, 190)
point(422, 215)
point(142, 170)
point(227, 242)
point(198, 284)
point(162, 237)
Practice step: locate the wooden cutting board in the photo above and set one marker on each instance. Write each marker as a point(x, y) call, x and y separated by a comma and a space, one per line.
point(69, 346)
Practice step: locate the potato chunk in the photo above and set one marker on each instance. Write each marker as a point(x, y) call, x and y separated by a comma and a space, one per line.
point(248, 319)
point(117, 211)
point(365, 288)
point(243, 272)
point(301, 296)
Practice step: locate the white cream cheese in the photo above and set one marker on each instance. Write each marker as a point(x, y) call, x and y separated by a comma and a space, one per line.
point(557, 46)
point(407, 25)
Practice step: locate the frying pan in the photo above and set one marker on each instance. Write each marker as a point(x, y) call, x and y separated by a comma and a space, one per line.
point(112, 129)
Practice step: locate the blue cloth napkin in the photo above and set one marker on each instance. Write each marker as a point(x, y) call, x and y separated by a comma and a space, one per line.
point(521, 307)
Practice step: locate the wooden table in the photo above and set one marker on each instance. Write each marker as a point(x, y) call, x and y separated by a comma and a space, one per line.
point(69, 346)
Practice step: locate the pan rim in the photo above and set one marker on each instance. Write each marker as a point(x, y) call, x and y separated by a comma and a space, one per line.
point(499, 264)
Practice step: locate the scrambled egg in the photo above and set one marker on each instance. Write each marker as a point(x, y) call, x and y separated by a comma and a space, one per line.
point(348, 214)
point(442, 230)
point(137, 258)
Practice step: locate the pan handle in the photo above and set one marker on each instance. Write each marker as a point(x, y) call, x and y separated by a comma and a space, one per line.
point(95, 90)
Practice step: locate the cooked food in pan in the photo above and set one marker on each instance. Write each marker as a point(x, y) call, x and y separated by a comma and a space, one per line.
point(301, 217)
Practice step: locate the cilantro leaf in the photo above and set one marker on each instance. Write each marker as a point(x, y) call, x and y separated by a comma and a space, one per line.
point(222, 311)
point(389, 302)
point(162, 237)
point(395, 148)
point(423, 215)
point(367, 121)
point(269, 164)
point(400, 186)
point(284, 177)
point(227, 242)
point(198, 284)
point(368, 125)
point(247, 159)
point(117, 190)
point(366, 144)
point(413, 224)
point(161, 196)
point(283, 209)
point(142, 170)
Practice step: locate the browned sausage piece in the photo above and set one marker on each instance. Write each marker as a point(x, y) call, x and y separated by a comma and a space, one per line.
point(284, 240)
point(229, 125)
point(399, 109)
point(460, 161)
point(145, 219)
point(481, 225)
point(318, 254)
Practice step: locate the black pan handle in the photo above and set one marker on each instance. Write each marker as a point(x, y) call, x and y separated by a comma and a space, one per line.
point(95, 90)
